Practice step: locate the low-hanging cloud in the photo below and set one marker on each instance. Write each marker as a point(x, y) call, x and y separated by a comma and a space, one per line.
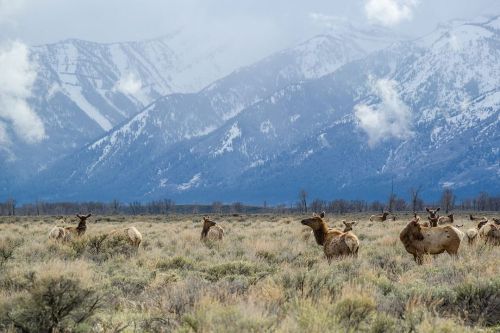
point(391, 118)
point(17, 75)
point(389, 12)
point(129, 84)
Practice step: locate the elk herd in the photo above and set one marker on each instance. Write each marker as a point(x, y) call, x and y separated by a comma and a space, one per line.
point(419, 238)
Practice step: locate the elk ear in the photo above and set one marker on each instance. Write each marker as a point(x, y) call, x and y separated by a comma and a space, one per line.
point(78, 215)
point(437, 209)
point(354, 222)
point(345, 223)
point(322, 214)
point(88, 215)
point(427, 209)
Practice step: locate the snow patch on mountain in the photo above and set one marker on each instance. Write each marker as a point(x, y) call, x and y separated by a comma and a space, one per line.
point(227, 143)
point(193, 182)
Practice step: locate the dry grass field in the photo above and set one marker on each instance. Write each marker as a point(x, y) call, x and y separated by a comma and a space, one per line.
point(268, 275)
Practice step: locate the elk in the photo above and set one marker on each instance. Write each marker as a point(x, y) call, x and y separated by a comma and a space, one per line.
point(380, 218)
point(493, 235)
point(419, 240)
point(335, 242)
point(66, 233)
point(472, 233)
point(446, 219)
point(348, 225)
point(131, 234)
point(211, 230)
point(475, 218)
point(433, 216)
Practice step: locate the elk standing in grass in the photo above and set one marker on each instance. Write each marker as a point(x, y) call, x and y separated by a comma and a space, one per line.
point(66, 233)
point(419, 240)
point(433, 216)
point(348, 225)
point(211, 230)
point(335, 242)
point(446, 219)
point(379, 218)
point(475, 218)
point(131, 234)
point(473, 232)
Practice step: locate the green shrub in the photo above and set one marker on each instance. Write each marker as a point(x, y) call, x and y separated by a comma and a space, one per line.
point(52, 304)
point(354, 310)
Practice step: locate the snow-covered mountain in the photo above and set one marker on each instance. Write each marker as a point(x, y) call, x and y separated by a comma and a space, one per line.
point(177, 117)
point(84, 89)
point(421, 112)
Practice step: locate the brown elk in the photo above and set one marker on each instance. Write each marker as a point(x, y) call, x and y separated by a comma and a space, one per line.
point(335, 242)
point(446, 219)
point(131, 234)
point(473, 232)
point(379, 218)
point(433, 216)
point(475, 218)
point(66, 233)
point(211, 230)
point(419, 240)
point(348, 225)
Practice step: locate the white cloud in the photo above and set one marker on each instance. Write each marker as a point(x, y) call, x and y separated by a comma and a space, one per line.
point(328, 21)
point(17, 75)
point(9, 9)
point(129, 84)
point(390, 118)
point(389, 12)
point(4, 137)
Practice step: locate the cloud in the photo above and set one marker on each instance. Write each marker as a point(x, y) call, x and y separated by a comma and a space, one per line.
point(327, 21)
point(4, 137)
point(9, 8)
point(129, 84)
point(389, 12)
point(17, 75)
point(391, 118)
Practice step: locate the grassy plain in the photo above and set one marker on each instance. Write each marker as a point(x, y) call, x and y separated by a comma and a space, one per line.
point(268, 275)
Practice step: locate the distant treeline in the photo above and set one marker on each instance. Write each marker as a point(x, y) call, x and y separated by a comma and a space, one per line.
point(482, 202)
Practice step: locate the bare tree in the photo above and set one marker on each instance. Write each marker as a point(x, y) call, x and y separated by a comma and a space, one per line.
point(318, 205)
point(303, 200)
point(236, 207)
point(416, 202)
point(447, 200)
point(217, 207)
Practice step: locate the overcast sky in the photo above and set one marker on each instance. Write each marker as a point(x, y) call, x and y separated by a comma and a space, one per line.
point(283, 21)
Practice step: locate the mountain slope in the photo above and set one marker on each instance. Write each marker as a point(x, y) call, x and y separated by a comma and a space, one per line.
point(424, 112)
point(178, 117)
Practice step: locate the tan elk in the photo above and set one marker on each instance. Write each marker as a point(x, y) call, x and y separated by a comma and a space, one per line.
point(66, 233)
point(473, 232)
point(131, 234)
point(446, 219)
point(211, 230)
point(433, 216)
point(379, 218)
point(335, 243)
point(419, 240)
point(475, 218)
point(348, 225)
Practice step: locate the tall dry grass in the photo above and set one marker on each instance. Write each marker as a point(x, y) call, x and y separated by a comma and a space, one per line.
point(266, 276)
